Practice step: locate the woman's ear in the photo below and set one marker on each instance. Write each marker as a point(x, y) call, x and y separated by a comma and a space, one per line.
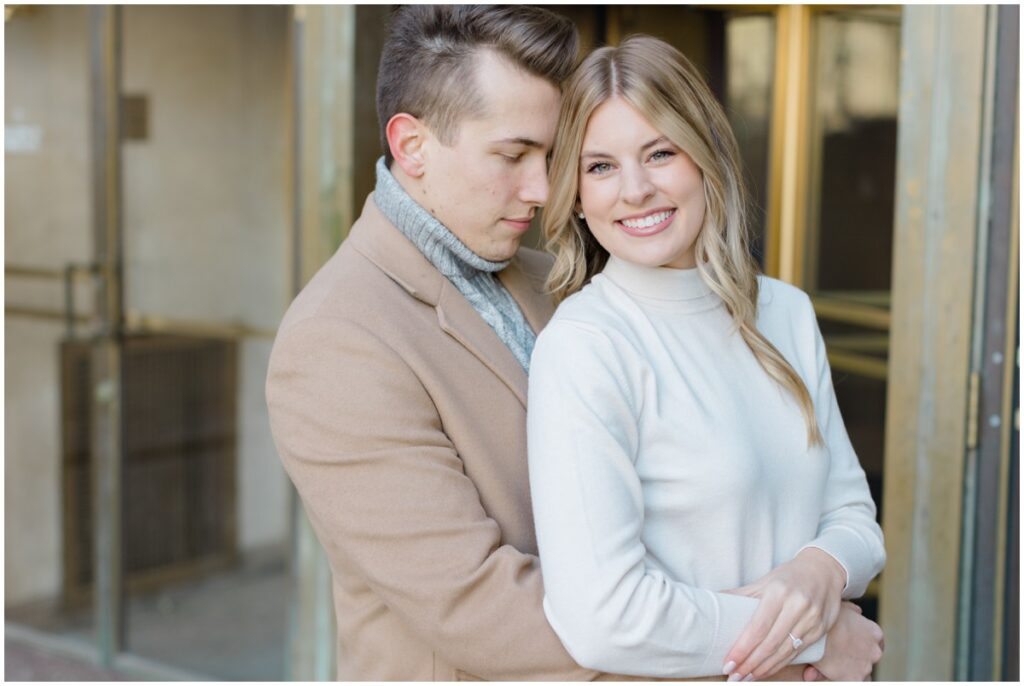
point(406, 137)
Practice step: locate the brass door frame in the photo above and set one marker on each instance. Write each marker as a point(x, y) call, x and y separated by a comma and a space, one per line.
point(935, 235)
point(787, 177)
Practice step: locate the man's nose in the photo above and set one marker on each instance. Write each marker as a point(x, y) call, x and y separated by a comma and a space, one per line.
point(534, 187)
point(636, 186)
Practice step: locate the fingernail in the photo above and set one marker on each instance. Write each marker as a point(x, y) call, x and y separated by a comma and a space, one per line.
point(734, 677)
point(749, 677)
point(728, 667)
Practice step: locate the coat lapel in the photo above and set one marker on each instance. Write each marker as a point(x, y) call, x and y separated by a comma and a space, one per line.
point(524, 280)
point(380, 242)
point(460, 321)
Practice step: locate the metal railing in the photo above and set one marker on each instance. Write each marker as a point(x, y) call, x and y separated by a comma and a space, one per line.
point(135, 323)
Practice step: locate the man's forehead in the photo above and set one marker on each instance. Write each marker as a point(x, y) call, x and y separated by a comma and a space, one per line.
point(489, 62)
point(500, 82)
point(516, 109)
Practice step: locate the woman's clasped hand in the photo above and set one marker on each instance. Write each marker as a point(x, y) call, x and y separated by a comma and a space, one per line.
point(800, 603)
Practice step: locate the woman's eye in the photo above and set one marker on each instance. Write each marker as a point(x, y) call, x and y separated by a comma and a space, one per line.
point(512, 159)
point(598, 168)
point(662, 155)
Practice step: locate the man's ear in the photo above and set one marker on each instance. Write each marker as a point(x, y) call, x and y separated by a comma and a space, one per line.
point(406, 137)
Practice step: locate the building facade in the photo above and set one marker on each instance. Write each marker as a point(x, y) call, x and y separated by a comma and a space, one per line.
point(175, 174)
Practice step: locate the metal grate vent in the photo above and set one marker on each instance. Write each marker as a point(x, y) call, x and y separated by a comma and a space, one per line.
point(179, 438)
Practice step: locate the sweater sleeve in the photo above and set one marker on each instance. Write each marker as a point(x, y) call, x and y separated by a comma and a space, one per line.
point(847, 530)
point(611, 611)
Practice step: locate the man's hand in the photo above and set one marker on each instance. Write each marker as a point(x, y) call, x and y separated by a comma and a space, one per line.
point(797, 673)
point(854, 646)
point(811, 673)
point(800, 599)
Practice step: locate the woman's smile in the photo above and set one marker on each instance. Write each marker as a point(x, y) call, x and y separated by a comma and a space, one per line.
point(647, 224)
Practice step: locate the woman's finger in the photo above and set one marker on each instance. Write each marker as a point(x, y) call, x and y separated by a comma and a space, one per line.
point(750, 590)
point(807, 630)
point(752, 636)
point(774, 662)
point(769, 646)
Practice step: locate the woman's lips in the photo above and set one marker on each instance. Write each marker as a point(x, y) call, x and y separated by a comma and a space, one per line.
point(644, 231)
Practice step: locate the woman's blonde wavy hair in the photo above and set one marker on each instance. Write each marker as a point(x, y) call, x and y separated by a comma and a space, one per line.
point(660, 82)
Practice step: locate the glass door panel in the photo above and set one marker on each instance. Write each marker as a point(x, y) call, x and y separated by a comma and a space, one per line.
point(749, 75)
point(854, 93)
point(206, 501)
point(855, 90)
point(48, 241)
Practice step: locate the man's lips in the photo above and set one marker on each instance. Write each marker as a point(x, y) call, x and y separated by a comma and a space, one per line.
point(521, 223)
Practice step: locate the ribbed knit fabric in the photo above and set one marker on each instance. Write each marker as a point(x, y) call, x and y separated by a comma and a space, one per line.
point(474, 277)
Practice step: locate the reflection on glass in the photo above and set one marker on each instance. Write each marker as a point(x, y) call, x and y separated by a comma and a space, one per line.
point(853, 154)
point(206, 224)
point(205, 501)
point(853, 118)
point(749, 66)
point(47, 218)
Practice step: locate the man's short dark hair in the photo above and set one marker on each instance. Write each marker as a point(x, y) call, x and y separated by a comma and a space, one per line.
point(427, 64)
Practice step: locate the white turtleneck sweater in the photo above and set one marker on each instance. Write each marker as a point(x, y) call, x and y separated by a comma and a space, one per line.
point(666, 466)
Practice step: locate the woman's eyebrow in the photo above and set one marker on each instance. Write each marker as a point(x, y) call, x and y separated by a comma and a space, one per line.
point(656, 141)
point(649, 144)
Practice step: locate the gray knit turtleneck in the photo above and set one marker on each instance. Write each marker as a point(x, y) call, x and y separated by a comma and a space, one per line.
point(475, 277)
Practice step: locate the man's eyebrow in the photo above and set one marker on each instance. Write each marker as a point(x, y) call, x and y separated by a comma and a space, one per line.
point(649, 144)
point(521, 140)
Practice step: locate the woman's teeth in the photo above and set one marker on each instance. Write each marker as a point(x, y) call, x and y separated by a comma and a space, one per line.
point(648, 221)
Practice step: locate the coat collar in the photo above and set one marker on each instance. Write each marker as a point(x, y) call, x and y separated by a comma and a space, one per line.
point(379, 241)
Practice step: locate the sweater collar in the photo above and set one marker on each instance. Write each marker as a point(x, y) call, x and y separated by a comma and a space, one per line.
point(673, 288)
point(375, 238)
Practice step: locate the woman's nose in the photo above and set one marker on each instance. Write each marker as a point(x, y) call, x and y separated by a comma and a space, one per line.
point(636, 186)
